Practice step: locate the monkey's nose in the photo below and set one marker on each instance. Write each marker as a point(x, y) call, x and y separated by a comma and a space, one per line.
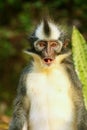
point(48, 61)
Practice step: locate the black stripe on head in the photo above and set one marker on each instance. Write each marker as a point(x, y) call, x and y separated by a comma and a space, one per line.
point(46, 27)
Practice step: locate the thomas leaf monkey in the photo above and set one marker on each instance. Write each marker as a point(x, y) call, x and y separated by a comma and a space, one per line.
point(49, 95)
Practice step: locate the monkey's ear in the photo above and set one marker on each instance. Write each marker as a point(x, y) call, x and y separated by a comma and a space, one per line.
point(66, 43)
point(32, 38)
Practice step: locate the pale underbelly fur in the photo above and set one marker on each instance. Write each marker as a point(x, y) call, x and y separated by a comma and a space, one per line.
point(50, 105)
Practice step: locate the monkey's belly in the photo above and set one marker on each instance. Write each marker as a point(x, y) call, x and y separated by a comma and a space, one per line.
point(50, 107)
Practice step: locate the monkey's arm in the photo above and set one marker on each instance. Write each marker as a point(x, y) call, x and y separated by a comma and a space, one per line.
point(21, 108)
point(77, 95)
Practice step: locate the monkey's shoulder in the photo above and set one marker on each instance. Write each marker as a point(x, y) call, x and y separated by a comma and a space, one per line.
point(71, 71)
point(25, 72)
point(22, 81)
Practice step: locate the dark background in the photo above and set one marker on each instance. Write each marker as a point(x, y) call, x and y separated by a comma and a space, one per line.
point(17, 20)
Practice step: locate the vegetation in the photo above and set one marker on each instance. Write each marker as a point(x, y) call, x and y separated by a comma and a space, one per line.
point(79, 48)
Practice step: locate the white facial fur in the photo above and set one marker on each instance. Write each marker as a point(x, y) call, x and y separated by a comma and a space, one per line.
point(55, 32)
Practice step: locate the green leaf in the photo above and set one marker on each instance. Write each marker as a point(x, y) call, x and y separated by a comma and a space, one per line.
point(79, 49)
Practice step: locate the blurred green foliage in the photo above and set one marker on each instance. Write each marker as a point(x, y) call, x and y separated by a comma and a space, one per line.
point(79, 49)
point(17, 20)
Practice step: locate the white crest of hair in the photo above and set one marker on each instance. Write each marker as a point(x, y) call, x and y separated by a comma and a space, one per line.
point(54, 35)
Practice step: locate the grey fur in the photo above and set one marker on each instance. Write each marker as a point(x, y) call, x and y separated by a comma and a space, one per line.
point(81, 111)
point(20, 112)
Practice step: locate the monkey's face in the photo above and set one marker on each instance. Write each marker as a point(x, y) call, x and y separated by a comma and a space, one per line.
point(48, 50)
point(47, 42)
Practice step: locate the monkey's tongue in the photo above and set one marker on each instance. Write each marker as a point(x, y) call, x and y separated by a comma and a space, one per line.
point(48, 60)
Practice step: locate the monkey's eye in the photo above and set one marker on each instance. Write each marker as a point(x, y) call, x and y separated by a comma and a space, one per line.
point(41, 44)
point(54, 44)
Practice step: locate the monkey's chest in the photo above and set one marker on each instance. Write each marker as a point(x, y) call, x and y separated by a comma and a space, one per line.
point(51, 106)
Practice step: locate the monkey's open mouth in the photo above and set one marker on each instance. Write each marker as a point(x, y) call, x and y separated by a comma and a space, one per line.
point(48, 61)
